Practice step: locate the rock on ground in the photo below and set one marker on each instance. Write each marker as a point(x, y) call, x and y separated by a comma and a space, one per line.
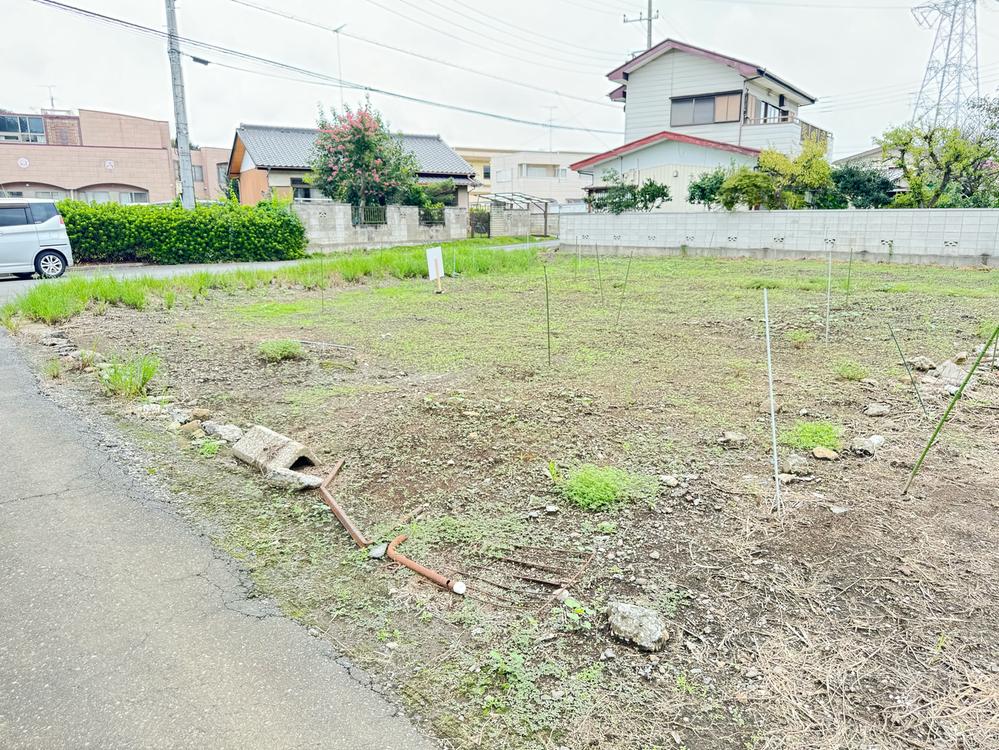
point(922, 364)
point(796, 464)
point(294, 479)
point(877, 410)
point(824, 454)
point(733, 439)
point(638, 625)
point(228, 432)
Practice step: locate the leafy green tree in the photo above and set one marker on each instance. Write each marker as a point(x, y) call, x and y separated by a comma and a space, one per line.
point(704, 190)
point(747, 187)
point(863, 186)
point(622, 195)
point(941, 166)
point(797, 180)
point(357, 160)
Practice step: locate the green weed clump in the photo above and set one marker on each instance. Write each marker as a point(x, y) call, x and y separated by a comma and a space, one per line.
point(850, 370)
point(800, 338)
point(809, 435)
point(601, 487)
point(129, 378)
point(53, 369)
point(280, 350)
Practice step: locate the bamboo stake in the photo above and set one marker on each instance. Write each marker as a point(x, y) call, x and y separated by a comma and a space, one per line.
point(905, 363)
point(778, 504)
point(957, 396)
point(624, 289)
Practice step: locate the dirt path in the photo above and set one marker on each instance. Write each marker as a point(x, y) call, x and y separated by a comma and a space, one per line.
point(121, 626)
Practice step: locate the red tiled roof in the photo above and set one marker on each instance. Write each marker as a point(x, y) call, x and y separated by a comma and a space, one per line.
point(665, 135)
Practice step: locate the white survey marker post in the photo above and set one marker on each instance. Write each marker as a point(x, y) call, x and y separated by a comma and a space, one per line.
point(435, 266)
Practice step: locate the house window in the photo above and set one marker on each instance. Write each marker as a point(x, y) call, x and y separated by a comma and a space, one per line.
point(25, 129)
point(199, 172)
point(487, 171)
point(302, 191)
point(133, 197)
point(222, 169)
point(705, 110)
point(52, 195)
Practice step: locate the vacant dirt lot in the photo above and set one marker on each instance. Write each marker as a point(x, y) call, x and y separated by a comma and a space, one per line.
point(858, 618)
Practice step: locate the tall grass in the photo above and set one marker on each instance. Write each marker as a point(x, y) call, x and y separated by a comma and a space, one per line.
point(57, 301)
point(129, 377)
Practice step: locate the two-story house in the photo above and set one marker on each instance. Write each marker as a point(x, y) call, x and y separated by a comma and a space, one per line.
point(689, 110)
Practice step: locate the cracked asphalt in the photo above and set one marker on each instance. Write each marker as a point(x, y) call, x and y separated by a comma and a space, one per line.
point(122, 627)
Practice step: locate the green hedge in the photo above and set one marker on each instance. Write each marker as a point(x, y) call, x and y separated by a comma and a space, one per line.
point(212, 233)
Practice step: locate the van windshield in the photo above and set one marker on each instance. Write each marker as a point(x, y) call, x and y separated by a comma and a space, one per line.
point(42, 212)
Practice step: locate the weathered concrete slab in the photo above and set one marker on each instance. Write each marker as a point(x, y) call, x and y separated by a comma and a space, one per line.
point(269, 450)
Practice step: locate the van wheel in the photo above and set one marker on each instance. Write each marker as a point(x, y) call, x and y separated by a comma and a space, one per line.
point(50, 265)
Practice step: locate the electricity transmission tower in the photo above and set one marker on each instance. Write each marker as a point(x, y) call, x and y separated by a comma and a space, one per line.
point(951, 79)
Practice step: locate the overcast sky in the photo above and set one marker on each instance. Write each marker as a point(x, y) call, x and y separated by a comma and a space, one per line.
point(863, 59)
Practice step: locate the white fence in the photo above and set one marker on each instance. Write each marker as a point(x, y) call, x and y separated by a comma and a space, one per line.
point(947, 236)
point(330, 226)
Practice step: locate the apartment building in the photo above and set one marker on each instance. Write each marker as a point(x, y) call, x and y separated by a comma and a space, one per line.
point(542, 174)
point(481, 160)
point(99, 156)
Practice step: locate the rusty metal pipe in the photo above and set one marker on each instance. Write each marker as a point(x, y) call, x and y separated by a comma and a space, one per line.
point(458, 587)
point(355, 533)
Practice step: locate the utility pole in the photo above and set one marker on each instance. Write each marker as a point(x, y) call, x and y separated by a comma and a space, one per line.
point(179, 109)
point(647, 19)
point(551, 114)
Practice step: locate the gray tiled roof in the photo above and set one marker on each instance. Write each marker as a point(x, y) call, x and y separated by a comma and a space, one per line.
point(291, 148)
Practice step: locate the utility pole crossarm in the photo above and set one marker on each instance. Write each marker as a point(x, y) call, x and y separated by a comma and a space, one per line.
point(646, 19)
point(180, 109)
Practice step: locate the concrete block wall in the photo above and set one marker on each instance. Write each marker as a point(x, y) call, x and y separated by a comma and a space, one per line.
point(945, 236)
point(329, 227)
point(509, 223)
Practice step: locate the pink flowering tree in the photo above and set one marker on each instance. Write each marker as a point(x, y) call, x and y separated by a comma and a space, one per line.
point(357, 160)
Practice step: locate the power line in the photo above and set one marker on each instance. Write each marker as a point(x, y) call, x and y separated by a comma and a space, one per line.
point(333, 81)
point(573, 48)
point(802, 5)
point(590, 70)
point(417, 55)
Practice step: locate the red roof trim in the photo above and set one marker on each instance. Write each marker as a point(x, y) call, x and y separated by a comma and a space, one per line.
point(745, 69)
point(665, 135)
point(619, 94)
point(620, 73)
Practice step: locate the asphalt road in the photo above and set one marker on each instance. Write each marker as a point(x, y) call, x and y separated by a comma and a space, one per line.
point(122, 627)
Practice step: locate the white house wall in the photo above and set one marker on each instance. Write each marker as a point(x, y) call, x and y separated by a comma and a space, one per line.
point(670, 75)
point(674, 164)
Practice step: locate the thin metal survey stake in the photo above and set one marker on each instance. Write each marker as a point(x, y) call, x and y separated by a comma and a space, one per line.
point(624, 289)
point(829, 296)
point(548, 316)
point(778, 504)
point(849, 276)
point(905, 364)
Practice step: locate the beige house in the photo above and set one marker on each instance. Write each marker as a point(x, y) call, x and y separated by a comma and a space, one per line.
point(480, 159)
point(99, 156)
point(275, 161)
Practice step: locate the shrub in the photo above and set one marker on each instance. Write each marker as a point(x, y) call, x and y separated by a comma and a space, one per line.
point(110, 232)
point(279, 350)
point(809, 435)
point(850, 370)
point(129, 377)
point(601, 487)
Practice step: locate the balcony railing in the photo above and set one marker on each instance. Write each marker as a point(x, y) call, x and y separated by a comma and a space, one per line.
point(808, 131)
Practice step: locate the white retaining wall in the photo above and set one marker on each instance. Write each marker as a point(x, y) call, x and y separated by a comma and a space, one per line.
point(947, 236)
point(329, 228)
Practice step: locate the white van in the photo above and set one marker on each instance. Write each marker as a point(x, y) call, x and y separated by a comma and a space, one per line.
point(33, 239)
